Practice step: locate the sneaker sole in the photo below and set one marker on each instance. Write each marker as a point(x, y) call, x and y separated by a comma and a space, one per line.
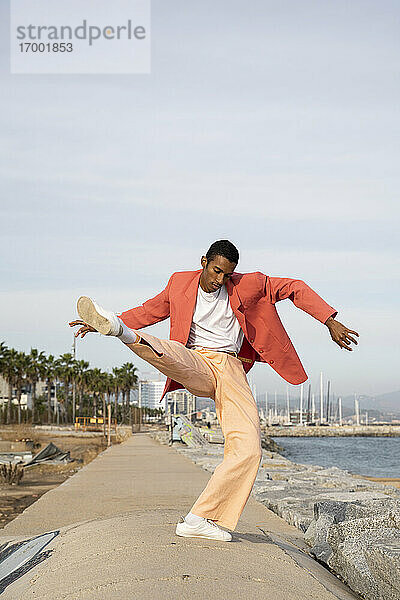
point(89, 314)
point(204, 537)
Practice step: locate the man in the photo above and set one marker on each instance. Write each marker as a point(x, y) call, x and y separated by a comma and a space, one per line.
point(221, 322)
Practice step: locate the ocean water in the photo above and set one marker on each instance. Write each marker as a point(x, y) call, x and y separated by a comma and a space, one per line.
point(372, 456)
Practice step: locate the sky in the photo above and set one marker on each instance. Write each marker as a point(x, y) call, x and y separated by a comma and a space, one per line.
point(272, 124)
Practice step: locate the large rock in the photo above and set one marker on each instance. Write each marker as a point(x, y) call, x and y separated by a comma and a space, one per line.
point(360, 540)
point(383, 560)
point(267, 443)
point(350, 561)
point(294, 504)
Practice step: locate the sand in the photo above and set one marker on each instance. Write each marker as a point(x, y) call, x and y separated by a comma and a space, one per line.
point(40, 479)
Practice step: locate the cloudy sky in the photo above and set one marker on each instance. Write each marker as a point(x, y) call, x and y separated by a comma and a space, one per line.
point(273, 124)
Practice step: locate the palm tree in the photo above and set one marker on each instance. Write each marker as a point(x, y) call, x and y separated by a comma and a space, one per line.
point(34, 373)
point(3, 354)
point(128, 382)
point(81, 379)
point(3, 351)
point(7, 366)
point(21, 366)
point(98, 385)
point(117, 387)
point(66, 370)
point(104, 389)
point(75, 372)
point(50, 372)
point(109, 388)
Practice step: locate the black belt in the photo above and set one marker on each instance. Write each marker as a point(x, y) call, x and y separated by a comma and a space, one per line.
point(235, 354)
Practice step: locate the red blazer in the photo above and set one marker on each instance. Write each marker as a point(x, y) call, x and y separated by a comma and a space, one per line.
point(253, 297)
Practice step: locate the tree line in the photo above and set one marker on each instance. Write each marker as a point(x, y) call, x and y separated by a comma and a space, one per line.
point(76, 389)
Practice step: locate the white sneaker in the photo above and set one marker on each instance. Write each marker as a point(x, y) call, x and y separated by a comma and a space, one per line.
point(104, 321)
point(206, 529)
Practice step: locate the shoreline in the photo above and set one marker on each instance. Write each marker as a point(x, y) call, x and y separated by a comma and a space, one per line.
point(394, 481)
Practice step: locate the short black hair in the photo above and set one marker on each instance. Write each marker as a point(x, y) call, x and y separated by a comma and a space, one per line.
point(223, 248)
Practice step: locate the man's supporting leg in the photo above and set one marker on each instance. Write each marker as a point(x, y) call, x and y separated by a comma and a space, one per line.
point(228, 489)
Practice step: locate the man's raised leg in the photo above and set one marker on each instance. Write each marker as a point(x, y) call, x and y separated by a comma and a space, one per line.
point(171, 358)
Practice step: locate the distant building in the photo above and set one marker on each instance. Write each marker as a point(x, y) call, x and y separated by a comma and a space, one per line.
point(41, 389)
point(150, 392)
point(3, 388)
point(182, 401)
point(25, 398)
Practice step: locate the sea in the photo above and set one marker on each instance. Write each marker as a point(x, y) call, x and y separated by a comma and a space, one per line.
point(371, 456)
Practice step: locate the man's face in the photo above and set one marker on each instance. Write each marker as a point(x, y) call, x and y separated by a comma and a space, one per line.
point(215, 273)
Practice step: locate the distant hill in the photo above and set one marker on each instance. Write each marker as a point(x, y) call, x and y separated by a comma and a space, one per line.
point(378, 406)
point(385, 403)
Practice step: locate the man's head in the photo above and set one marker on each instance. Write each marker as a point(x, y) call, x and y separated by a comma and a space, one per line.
point(218, 265)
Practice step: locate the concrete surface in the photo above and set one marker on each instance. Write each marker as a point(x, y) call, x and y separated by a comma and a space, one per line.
point(117, 540)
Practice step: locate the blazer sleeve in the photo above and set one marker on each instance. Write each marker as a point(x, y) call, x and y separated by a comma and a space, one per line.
point(302, 296)
point(150, 312)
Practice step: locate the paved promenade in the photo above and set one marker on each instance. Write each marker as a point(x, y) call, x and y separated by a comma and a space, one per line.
point(117, 518)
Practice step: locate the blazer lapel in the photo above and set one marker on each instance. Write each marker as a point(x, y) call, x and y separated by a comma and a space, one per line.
point(191, 297)
point(192, 287)
point(236, 303)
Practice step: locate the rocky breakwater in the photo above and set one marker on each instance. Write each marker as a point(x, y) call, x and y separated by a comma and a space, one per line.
point(360, 540)
point(351, 524)
point(334, 431)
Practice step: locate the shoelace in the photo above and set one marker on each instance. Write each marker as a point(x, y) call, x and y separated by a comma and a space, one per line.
point(212, 523)
point(183, 520)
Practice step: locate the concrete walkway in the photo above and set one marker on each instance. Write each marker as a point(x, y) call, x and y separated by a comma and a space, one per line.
point(117, 540)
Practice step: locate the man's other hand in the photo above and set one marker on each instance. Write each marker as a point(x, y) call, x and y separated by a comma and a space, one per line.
point(341, 334)
point(84, 329)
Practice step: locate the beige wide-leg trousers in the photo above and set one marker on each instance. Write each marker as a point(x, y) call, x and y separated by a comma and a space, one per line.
point(221, 377)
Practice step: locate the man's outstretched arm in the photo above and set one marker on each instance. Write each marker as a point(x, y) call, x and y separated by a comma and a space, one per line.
point(302, 296)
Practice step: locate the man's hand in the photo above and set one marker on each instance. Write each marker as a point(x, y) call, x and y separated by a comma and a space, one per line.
point(83, 330)
point(341, 334)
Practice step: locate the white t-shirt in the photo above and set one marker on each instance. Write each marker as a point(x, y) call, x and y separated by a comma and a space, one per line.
point(214, 324)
